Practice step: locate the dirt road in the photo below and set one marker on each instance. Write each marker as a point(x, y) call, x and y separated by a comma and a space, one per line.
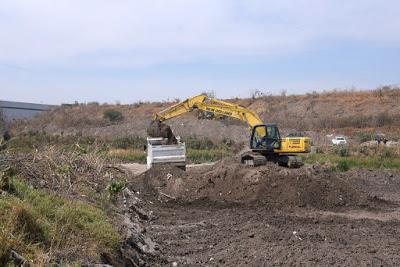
point(202, 235)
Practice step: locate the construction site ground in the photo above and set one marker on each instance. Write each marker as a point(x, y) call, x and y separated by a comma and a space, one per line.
point(230, 215)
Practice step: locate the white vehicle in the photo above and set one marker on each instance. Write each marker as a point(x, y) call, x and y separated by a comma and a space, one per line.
point(339, 140)
point(158, 152)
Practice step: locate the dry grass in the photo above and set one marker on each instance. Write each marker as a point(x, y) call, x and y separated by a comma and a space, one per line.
point(63, 170)
point(128, 155)
point(336, 109)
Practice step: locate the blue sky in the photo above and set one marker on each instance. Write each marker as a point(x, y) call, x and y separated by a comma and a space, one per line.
point(106, 51)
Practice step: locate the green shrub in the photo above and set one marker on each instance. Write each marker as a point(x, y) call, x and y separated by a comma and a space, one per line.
point(207, 155)
point(138, 104)
point(387, 153)
point(116, 186)
point(113, 115)
point(5, 178)
point(129, 142)
point(364, 137)
point(228, 142)
point(193, 142)
point(343, 166)
point(87, 140)
point(383, 119)
point(363, 150)
point(344, 152)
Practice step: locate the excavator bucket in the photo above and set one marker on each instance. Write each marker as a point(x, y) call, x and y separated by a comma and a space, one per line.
point(159, 129)
point(153, 129)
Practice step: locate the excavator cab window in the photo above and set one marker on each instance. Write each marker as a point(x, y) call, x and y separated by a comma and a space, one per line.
point(265, 137)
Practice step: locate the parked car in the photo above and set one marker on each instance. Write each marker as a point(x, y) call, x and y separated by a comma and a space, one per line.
point(339, 140)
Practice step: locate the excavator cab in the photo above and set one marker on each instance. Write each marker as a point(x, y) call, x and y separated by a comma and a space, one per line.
point(265, 137)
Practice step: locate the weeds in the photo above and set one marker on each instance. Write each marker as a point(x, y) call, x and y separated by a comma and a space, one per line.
point(128, 155)
point(206, 155)
point(203, 143)
point(44, 226)
point(115, 187)
point(376, 161)
point(63, 170)
point(387, 153)
point(26, 142)
point(194, 142)
point(342, 151)
point(363, 150)
point(129, 142)
point(343, 166)
point(364, 137)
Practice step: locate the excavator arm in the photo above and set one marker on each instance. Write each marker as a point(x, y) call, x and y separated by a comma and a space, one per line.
point(204, 103)
point(180, 108)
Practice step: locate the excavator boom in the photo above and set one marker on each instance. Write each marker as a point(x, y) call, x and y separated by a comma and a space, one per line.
point(215, 106)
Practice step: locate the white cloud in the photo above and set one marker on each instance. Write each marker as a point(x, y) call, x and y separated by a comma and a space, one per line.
point(103, 33)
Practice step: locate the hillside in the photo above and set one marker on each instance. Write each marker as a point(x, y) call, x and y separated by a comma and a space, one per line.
point(80, 170)
point(318, 114)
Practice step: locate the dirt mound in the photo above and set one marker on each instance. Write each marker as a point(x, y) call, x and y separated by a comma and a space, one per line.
point(162, 180)
point(228, 181)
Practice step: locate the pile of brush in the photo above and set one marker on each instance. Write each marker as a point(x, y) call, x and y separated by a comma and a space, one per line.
point(63, 170)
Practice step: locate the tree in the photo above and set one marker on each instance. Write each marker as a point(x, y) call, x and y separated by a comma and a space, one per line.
point(113, 115)
point(209, 93)
point(2, 121)
point(256, 93)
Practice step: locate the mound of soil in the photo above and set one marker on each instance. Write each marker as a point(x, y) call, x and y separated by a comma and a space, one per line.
point(163, 180)
point(228, 181)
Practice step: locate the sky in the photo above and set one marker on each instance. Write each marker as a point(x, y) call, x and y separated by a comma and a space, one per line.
point(107, 51)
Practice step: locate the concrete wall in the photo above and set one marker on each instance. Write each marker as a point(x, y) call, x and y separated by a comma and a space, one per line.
point(19, 110)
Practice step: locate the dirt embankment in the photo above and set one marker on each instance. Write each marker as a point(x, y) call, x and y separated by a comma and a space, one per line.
point(271, 185)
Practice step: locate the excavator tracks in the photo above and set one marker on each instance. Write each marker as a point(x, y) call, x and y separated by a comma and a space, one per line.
point(253, 159)
point(293, 162)
point(257, 159)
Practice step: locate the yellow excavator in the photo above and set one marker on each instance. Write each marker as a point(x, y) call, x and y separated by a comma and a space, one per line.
point(266, 144)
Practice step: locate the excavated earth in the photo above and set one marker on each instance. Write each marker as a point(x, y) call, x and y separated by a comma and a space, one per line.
point(232, 215)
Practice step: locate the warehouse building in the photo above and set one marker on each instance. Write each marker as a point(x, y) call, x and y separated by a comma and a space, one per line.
point(10, 110)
